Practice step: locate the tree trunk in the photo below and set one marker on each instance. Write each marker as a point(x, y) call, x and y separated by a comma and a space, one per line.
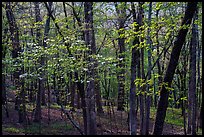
point(65, 13)
point(201, 116)
point(164, 93)
point(147, 108)
point(132, 97)
point(141, 88)
point(72, 90)
point(40, 80)
point(121, 13)
point(80, 87)
point(90, 39)
point(158, 62)
point(14, 33)
point(192, 84)
point(37, 116)
point(98, 94)
point(14, 36)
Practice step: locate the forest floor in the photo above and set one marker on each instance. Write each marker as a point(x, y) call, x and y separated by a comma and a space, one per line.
point(112, 122)
point(107, 124)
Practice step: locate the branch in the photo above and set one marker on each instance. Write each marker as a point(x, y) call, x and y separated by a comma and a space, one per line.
point(57, 26)
point(53, 18)
point(72, 121)
point(75, 15)
point(164, 50)
point(102, 43)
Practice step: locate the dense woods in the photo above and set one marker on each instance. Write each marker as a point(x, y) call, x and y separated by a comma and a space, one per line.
point(102, 68)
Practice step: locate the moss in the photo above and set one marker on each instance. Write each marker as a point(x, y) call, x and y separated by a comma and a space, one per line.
point(12, 129)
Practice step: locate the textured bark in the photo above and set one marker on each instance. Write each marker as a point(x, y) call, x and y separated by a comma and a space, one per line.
point(192, 84)
point(147, 103)
point(121, 13)
point(134, 61)
point(90, 40)
point(141, 88)
point(163, 101)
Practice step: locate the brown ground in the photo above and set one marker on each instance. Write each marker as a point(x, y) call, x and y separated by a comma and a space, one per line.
point(106, 124)
point(114, 124)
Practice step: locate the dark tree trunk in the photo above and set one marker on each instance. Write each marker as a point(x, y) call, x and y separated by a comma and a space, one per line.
point(14, 36)
point(121, 14)
point(141, 88)
point(132, 97)
point(80, 87)
point(98, 94)
point(65, 13)
point(37, 117)
point(3, 85)
point(192, 84)
point(201, 116)
point(14, 33)
point(158, 62)
point(90, 39)
point(147, 105)
point(164, 93)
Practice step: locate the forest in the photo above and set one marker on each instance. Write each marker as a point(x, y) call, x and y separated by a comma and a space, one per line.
point(101, 68)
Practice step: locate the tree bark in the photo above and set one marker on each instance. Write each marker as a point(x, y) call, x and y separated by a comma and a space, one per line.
point(192, 83)
point(134, 62)
point(121, 14)
point(90, 40)
point(147, 105)
point(158, 62)
point(164, 93)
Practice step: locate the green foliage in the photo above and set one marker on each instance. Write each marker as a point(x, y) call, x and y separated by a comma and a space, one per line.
point(12, 129)
point(59, 63)
point(55, 128)
point(173, 116)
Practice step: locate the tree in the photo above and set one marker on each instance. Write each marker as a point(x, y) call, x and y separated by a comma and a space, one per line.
point(37, 117)
point(192, 83)
point(147, 105)
point(121, 14)
point(90, 40)
point(134, 63)
point(14, 33)
point(164, 93)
